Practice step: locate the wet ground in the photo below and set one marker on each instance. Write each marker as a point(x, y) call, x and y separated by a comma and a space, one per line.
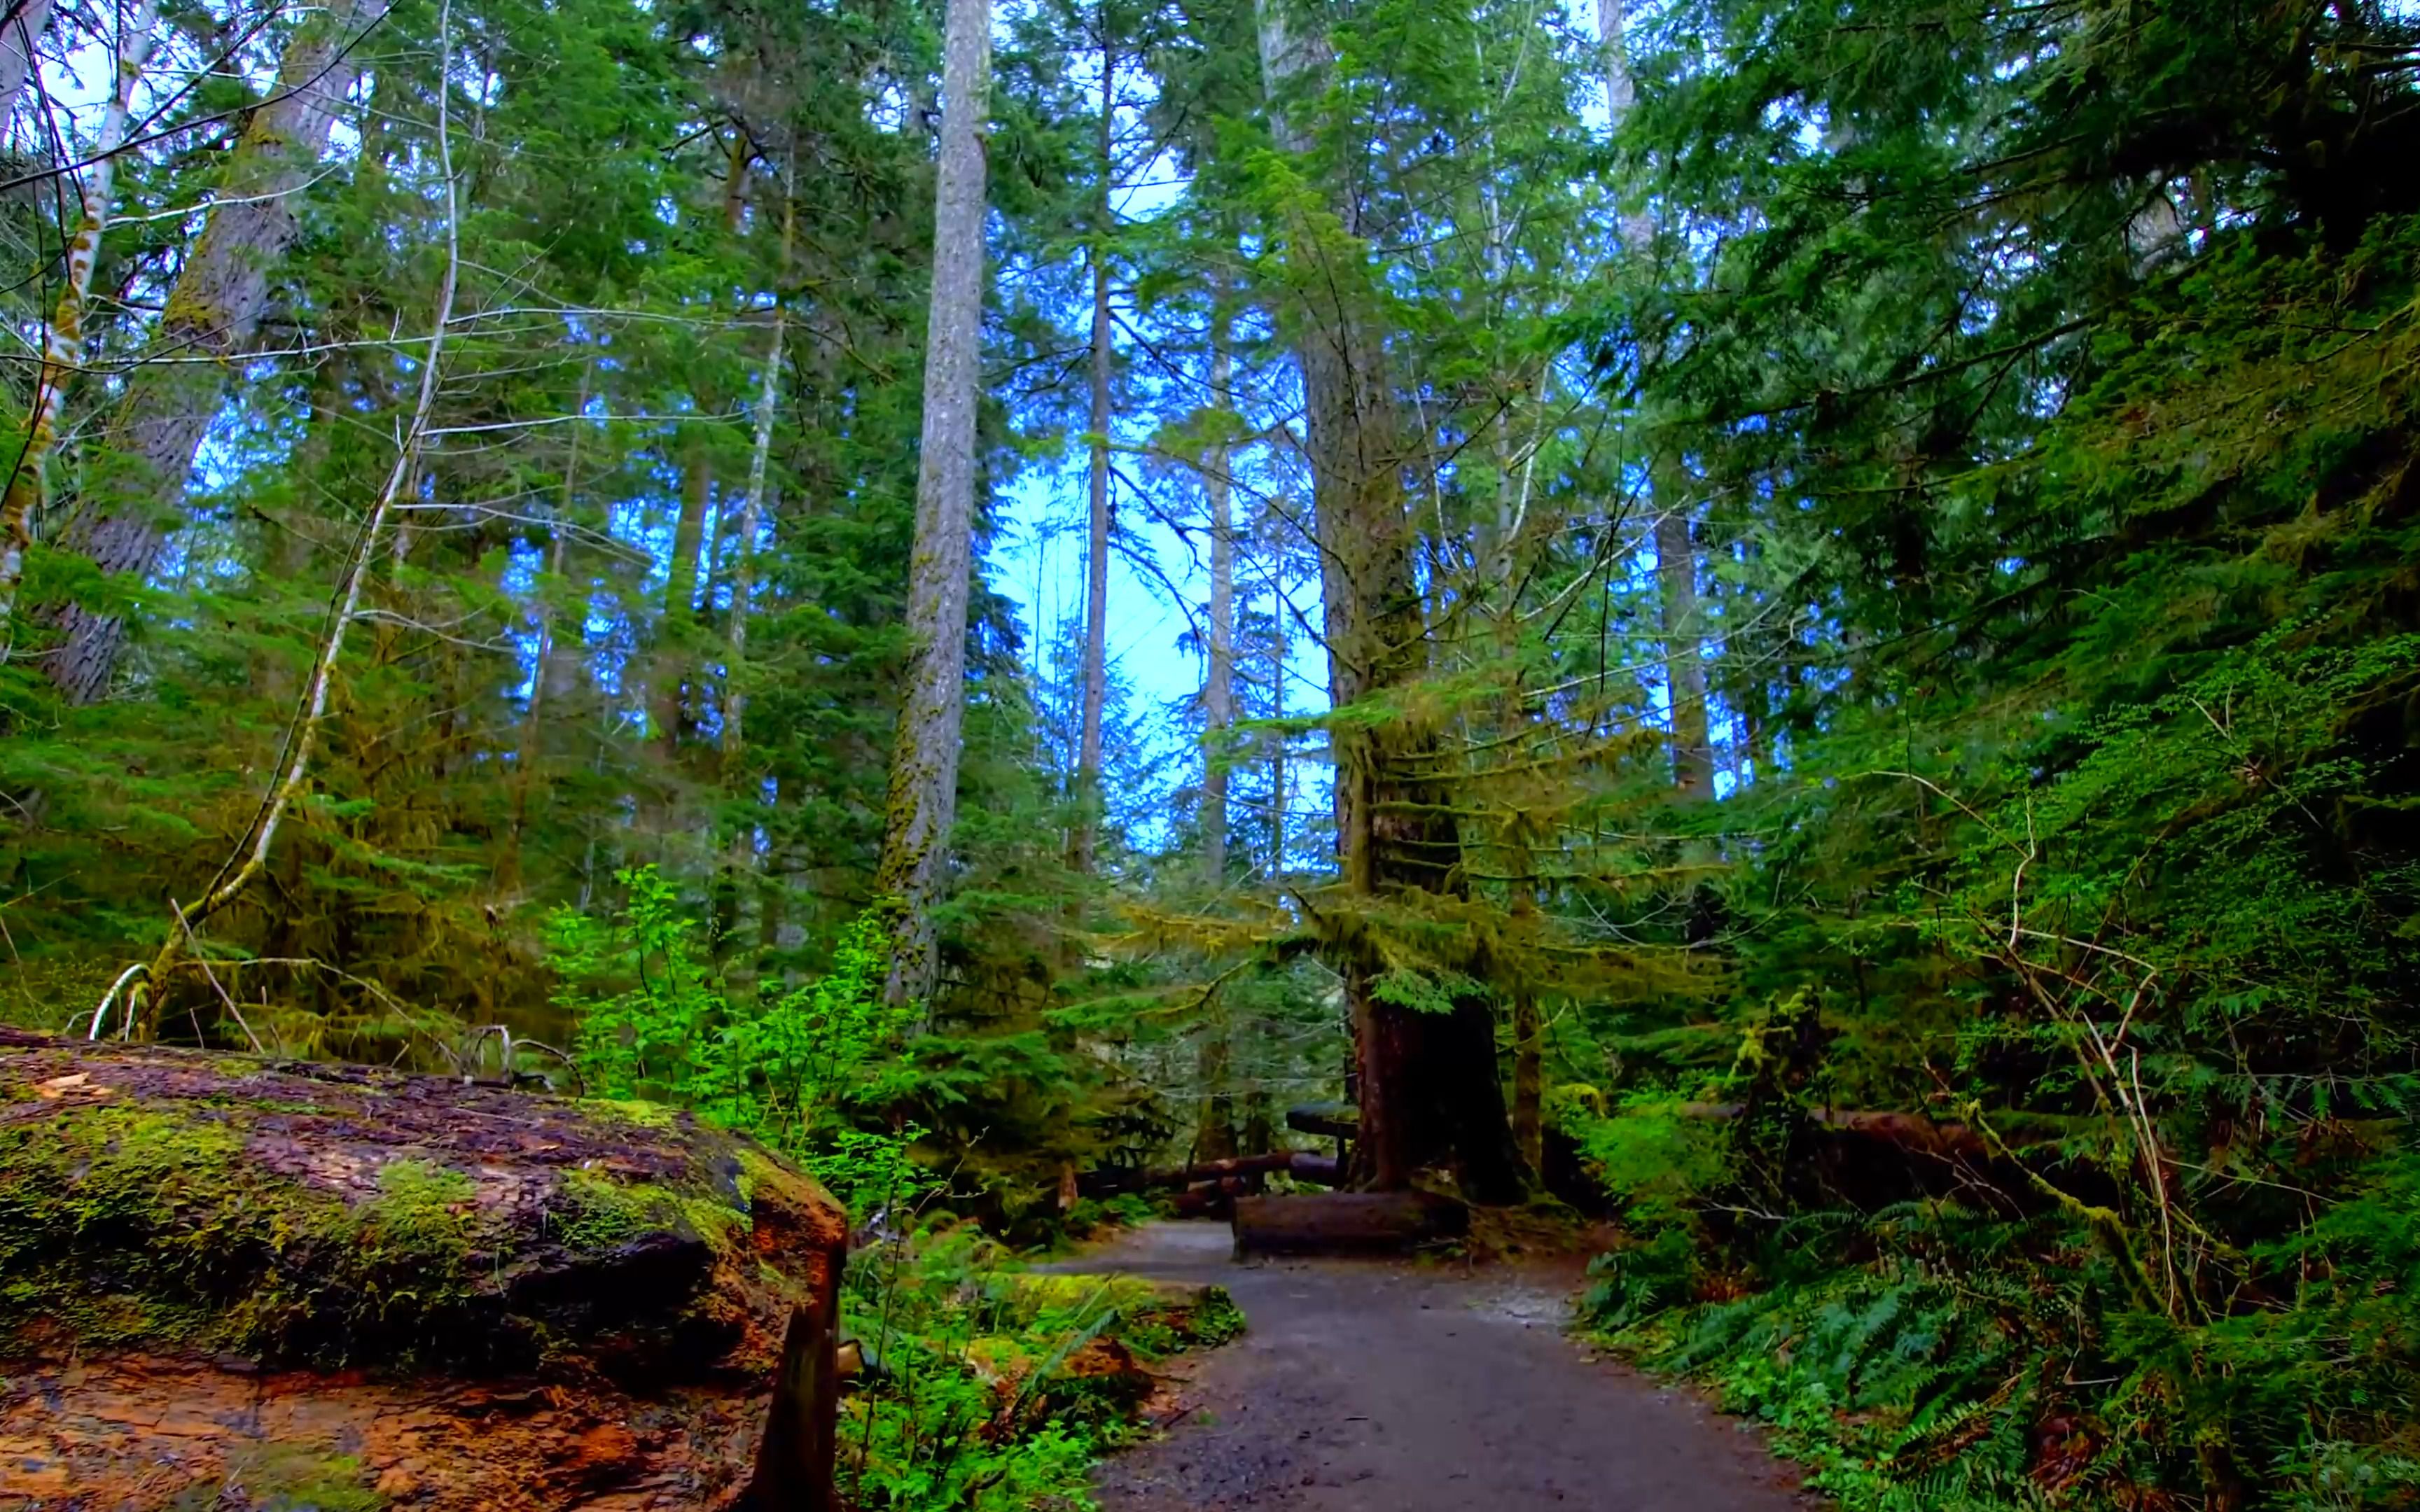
point(1390, 1386)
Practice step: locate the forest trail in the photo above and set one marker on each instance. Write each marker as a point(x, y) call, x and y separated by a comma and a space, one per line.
point(1384, 1386)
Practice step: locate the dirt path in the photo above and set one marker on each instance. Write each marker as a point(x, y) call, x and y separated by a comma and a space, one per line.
point(1373, 1386)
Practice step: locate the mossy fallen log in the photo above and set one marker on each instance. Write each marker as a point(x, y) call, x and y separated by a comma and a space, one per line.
point(603, 1289)
point(1331, 1223)
point(1301, 1165)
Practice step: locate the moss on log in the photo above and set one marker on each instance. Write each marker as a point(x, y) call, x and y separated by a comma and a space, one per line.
point(351, 1231)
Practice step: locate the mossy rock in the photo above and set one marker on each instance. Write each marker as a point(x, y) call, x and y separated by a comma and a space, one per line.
point(346, 1216)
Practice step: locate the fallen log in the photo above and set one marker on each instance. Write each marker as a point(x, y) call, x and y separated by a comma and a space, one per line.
point(1302, 1165)
point(1329, 1121)
point(1916, 1133)
point(324, 1284)
point(1332, 1223)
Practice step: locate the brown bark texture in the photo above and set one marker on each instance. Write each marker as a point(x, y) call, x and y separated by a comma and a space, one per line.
point(147, 453)
point(1331, 1222)
point(63, 336)
point(924, 758)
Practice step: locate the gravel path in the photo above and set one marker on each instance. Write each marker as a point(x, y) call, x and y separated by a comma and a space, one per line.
point(1380, 1386)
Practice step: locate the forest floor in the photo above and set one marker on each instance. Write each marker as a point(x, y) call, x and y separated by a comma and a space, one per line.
point(1412, 1387)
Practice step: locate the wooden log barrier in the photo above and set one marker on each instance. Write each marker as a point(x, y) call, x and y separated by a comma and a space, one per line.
point(1346, 1222)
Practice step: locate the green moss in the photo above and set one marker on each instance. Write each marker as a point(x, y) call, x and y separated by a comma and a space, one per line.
point(633, 1110)
point(599, 1213)
point(182, 1224)
point(121, 1224)
point(281, 1478)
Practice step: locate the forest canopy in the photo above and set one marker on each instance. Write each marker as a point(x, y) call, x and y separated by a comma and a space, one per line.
point(1798, 626)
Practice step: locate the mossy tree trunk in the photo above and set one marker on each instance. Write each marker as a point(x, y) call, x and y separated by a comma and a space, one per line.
point(924, 758)
point(1429, 1088)
point(63, 341)
point(137, 484)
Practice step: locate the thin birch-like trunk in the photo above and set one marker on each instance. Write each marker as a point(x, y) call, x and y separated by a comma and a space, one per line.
point(63, 339)
point(752, 522)
point(924, 758)
point(680, 597)
point(1097, 557)
point(542, 672)
point(251, 859)
point(137, 487)
point(741, 854)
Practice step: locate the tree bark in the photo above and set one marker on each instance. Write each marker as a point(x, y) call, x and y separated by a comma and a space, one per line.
point(1096, 558)
point(924, 758)
point(1428, 1083)
point(62, 338)
point(680, 597)
point(1345, 1222)
point(1676, 573)
point(147, 450)
point(1217, 1121)
point(1218, 689)
point(545, 675)
point(21, 31)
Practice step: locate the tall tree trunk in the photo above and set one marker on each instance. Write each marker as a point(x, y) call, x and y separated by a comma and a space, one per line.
point(1096, 556)
point(545, 675)
point(673, 661)
point(1428, 1083)
point(147, 453)
point(1684, 661)
point(1676, 565)
point(740, 855)
point(1218, 1139)
point(924, 757)
point(22, 24)
point(1218, 691)
point(62, 338)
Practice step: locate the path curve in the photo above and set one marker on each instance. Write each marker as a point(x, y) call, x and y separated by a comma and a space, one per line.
point(1386, 1386)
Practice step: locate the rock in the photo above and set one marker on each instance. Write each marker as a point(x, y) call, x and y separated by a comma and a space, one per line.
point(332, 1282)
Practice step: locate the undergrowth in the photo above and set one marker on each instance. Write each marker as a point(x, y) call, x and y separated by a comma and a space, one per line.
point(982, 1384)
